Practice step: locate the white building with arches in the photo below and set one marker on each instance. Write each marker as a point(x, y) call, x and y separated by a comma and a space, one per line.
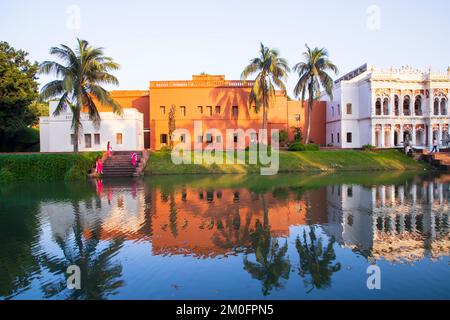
point(386, 107)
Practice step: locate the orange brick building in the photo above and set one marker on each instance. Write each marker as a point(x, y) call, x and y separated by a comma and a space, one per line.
point(218, 103)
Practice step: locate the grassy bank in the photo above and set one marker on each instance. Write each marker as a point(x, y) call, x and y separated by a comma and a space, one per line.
point(46, 167)
point(306, 161)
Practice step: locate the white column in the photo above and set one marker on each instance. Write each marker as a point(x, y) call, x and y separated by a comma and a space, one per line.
point(372, 138)
point(400, 138)
point(440, 135)
point(430, 136)
point(392, 135)
point(413, 133)
point(382, 136)
point(400, 105)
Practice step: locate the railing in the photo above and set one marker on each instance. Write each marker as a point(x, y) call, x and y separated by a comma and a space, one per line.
point(201, 84)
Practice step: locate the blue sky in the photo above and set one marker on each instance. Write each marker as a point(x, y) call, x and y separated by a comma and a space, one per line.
point(173, 39)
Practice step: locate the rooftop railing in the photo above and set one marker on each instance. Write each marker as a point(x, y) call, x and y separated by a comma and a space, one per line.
point(201, 84)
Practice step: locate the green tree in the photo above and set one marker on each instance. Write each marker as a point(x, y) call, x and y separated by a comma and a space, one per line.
point(83, 72)
point(18, 89)
point(316, 260)
point(312, 72)
point(271, 72)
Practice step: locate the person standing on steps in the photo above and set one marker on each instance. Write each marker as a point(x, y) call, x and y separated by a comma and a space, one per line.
point(134, 159)
point(109, 149)
point(99, 166)
point(435, 145)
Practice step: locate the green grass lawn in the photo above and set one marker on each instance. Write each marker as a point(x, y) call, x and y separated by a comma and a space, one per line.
point(305, 161)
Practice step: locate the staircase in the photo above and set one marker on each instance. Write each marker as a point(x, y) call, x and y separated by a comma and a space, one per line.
point(119, 165)
point(440, 160)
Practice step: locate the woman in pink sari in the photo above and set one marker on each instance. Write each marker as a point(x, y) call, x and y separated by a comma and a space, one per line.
point(109, 150)
point(134, 159)
point(99, 166)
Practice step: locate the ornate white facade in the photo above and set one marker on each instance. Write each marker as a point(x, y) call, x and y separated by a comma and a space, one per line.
point(387, 107)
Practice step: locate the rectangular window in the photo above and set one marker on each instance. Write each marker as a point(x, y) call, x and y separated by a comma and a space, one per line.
point(183, 138)
point(119, 138)
point(200, 139)
point(72, 139)
point(183, 111)
point(235, 111)
point(162, 110)
point(200, 109)
point(338, 137)
point(209, 110)
point(217, 109)
point(219, 139)
point(339, 109)
point(349, 108)
point(88, 140)
point(350, 192)
point(297, 117)
point(209, 138)
point(332, 138)
point(163, 138)
point(235, 138)
point(349, 137)
point(97, 138)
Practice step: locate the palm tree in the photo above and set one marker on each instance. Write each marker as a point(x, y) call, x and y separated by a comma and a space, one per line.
point(272, 72)
point(313, 75)
point(83, 72)
point(316, 260)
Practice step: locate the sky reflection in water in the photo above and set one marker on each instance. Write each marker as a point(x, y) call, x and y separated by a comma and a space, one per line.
point(228, 237)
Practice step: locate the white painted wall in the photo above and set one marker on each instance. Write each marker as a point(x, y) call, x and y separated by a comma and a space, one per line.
point(55, 132)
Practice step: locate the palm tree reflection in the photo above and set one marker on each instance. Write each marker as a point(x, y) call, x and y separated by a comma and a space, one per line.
point(271, 264)
point(100, 276)
point(316, 261)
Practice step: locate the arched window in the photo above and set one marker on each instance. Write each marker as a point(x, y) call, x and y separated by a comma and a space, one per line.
point(396, 106)
point(436, 107)
point(378, 107)
point(418, 106)
point(386, 106)
point(443, 107)
point(406, 106)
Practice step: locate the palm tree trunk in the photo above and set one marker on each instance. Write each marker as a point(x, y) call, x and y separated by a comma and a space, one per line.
point(76, 132)
point(264, 120)
point(308, 117)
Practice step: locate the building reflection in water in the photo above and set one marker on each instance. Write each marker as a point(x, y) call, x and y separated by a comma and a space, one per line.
point(398, 223)
point(395, 222)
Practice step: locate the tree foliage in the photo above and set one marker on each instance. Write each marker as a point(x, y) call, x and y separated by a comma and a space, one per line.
point(18, 89)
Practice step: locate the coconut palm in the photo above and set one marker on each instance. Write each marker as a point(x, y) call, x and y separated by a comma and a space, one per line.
point(83, 71)
point(316, 260)
point(272, 72)
point(312, 72)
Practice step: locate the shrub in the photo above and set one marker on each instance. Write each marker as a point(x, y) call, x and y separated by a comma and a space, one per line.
point(6, 175)
point(297, 146)
point(283, 137)
point(368, 147)
point(48, 167)
point(298, 134)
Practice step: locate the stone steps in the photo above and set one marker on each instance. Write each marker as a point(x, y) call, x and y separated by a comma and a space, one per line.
point(119, 165)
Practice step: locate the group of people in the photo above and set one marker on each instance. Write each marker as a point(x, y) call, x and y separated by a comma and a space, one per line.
point(99, 161)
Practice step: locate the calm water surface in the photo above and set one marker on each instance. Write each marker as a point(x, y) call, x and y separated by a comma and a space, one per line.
point(228, 237)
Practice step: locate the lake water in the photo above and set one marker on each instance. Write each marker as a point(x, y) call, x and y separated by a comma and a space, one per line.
point(228, 237)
